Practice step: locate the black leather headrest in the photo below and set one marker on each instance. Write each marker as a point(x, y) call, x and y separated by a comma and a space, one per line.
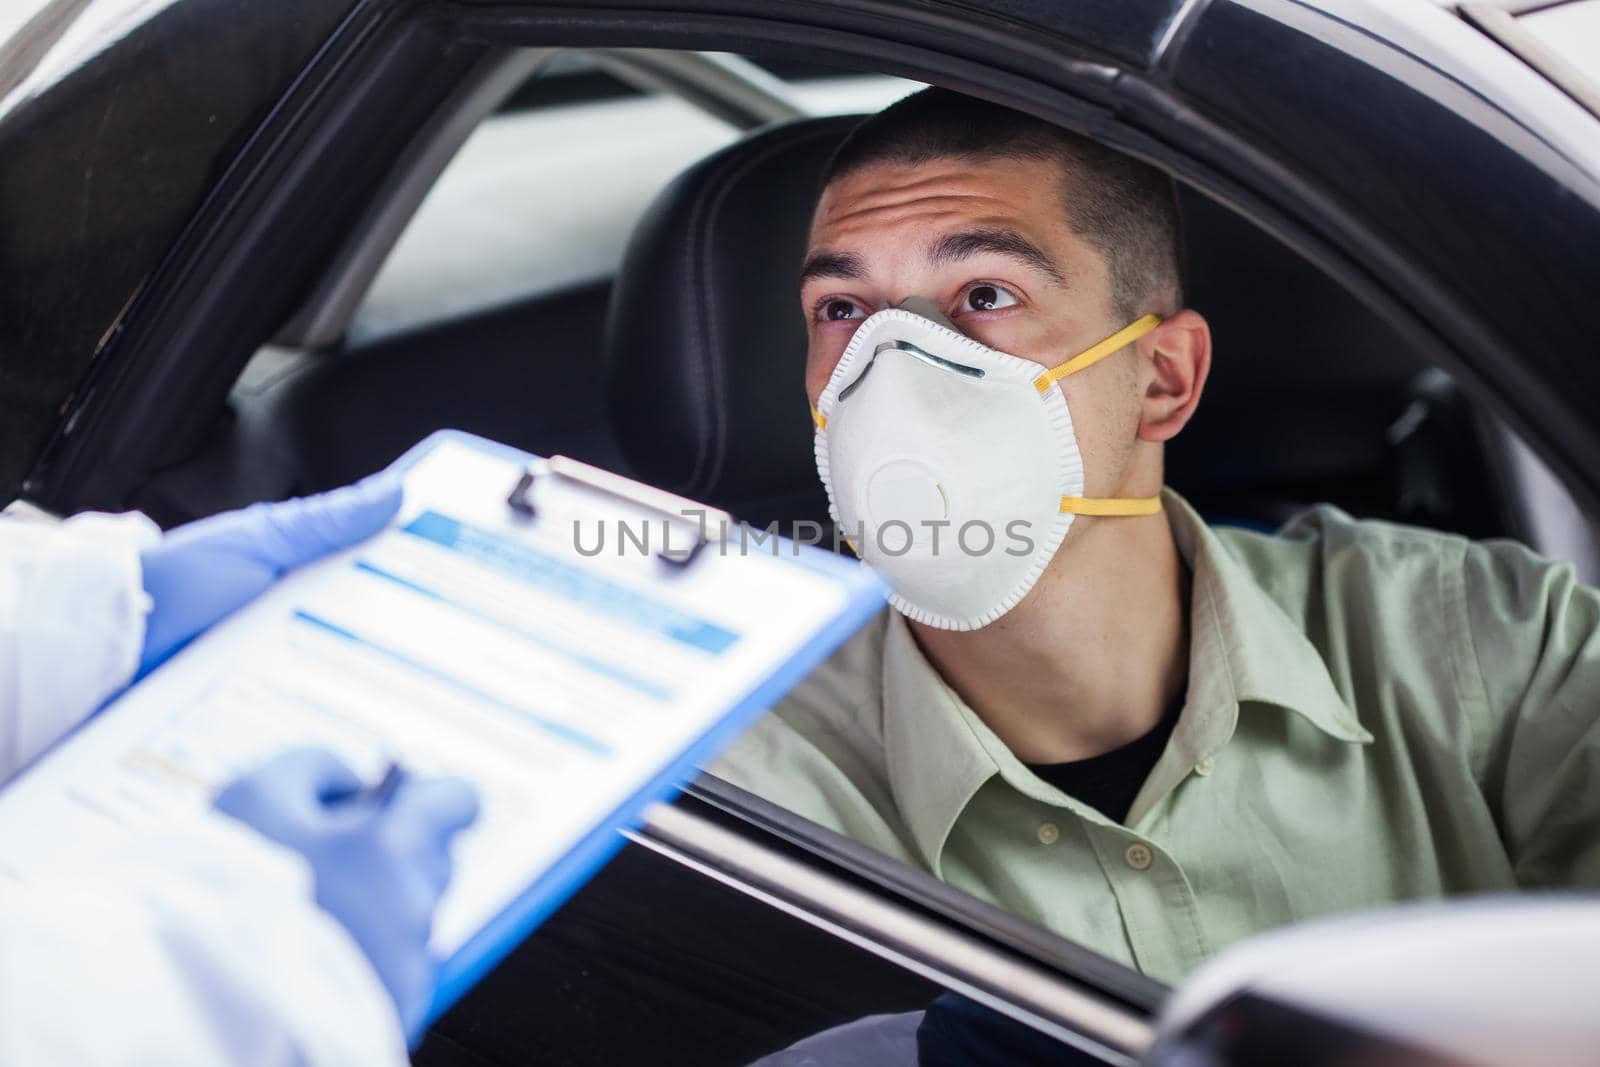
point(706, 343)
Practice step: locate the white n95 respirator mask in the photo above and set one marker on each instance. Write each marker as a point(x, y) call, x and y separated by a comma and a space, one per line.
point(952, 467)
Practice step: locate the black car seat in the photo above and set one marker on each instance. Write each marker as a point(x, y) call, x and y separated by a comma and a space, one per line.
point(706, 343)
point(1311, 398)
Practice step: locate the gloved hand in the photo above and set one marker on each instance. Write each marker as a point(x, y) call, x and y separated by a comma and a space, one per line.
point(380, 866)
point(205, 570)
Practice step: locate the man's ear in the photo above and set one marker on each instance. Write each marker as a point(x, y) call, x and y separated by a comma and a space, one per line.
point(1177, 358)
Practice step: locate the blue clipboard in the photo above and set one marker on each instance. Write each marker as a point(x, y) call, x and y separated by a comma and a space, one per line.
point(865, 597)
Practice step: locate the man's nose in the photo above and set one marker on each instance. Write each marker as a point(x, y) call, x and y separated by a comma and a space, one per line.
point(918, 305)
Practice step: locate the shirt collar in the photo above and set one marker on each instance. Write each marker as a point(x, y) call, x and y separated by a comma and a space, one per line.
point(1243, 649)
point(1243, 643)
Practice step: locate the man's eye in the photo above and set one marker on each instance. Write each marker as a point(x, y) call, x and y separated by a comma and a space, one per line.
point(838, 310)
point(989, 298)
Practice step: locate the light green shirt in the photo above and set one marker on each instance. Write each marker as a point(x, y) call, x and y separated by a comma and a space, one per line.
point(1374, 714)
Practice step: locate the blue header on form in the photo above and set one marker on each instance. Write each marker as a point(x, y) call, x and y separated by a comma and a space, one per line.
point(583, 588)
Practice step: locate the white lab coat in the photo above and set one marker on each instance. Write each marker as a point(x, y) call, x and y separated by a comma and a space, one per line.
point(201, 947)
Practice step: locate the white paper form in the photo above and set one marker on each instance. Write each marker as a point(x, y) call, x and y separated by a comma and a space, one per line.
point(556, 678)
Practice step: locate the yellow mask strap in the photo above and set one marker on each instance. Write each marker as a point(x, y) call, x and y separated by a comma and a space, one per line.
point(1085, 505)
point(1089, 356)
point(818, 419)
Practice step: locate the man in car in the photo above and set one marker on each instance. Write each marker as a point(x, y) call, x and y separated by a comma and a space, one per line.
point(1088, 706)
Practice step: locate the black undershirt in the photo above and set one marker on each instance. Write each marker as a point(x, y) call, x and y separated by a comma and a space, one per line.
point(1110, 781)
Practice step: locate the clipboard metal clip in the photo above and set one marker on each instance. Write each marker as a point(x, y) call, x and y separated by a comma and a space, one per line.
point(697, 520)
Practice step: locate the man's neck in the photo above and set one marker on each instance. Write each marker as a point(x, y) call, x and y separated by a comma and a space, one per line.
point(1092, 658)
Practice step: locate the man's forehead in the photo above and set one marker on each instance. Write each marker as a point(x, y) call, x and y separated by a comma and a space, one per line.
point(994, 171)
point(941, 210)
point(925, 200)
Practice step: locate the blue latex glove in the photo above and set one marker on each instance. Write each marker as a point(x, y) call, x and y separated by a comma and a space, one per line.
point(380, 867)
point(210, 568)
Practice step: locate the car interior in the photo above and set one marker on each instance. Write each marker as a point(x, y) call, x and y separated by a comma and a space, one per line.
point(597, 256)
point(648, 323)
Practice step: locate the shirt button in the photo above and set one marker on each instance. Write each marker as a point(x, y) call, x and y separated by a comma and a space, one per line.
point(1205, 766)
point(1139, 856)
point(1048, 833)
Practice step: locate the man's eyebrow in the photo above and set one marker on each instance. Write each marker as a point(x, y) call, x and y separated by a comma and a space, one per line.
point(825, 264)
point(953, 247)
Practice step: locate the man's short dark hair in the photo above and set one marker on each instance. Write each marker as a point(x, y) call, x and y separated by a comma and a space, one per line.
point(1126, 209)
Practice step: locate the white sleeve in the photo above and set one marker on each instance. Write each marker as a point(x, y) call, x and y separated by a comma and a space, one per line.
point(204, 948)
point(72, 611)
